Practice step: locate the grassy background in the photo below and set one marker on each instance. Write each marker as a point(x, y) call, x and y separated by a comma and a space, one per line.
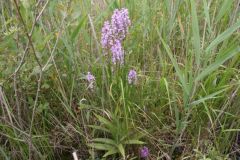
point(184, 106)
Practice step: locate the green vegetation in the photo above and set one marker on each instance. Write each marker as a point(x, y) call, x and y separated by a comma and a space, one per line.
point(185, 104)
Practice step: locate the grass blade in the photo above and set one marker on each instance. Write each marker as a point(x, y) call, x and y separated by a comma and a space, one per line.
point(179, 72)
point(219, 61)
point(226, 6)
point(227, 33)
point(195, 30)
point(211, 96)
point(207, 16)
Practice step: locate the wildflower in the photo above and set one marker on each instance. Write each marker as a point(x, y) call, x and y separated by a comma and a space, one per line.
point(114, 32)
point(91, 79)
point(120, 22)
point(107, 36)
point(117, 53)
point(132, 77)
point(144, 152)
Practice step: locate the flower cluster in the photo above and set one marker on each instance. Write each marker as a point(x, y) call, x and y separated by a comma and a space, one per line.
point(132, 77)
point(117, 52)
point(114, 32)
point(107, 35)
point(120, 22)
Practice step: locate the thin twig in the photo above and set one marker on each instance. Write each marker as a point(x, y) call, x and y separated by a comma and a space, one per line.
point(4, 103)
point(33, 114)
point(94, 33)
point(17, 100)
point(27, 34)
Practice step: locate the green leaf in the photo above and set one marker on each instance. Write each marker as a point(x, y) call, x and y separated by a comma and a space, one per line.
point(104, 121)
point(207, 16)
point(226, 6)
point(195, 30)
point(134, 141)
point(25, 3)
point(105, 140)
point(179, 72)
point(111, 152)
point(100, 146)
point(121, 150)
point(75, 33)
point(227, 33)
point(211, 96)
point(229, 53)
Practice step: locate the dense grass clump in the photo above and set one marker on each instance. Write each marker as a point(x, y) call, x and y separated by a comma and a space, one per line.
point(166, 87)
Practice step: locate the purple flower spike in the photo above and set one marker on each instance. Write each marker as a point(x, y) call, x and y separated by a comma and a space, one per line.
point(91, 79)
point(107, 36)
point(120, 22)
point(114, 32)
point(117, 53)
point(132, 77)
point(144, 152)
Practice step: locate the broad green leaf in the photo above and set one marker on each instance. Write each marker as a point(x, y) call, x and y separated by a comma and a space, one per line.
point(111, 152)
point(121, 150)
point(100, 146)
point(104, 121)
point(105, 140)
point(227, 33)
point(134, 141)
point(229, 53)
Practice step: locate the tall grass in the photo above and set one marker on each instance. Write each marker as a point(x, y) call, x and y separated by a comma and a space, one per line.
point(185, 104)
